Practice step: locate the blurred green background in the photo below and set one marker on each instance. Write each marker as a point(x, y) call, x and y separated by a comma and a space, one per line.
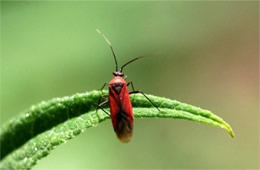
point(209, 58)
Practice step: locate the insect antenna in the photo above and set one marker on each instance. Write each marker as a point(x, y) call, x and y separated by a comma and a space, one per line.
point(121, 70)
point(110, 45)
point(153, 54)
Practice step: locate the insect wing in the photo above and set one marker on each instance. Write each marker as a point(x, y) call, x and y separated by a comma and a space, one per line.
point(121, 112)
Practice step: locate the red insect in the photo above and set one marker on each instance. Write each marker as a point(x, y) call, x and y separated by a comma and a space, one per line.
point(121, 112)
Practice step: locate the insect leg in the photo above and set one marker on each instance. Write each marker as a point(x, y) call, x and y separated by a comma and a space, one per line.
point(102, 104)
point(99, 100)
point(106, 83)
point(138, 91)
point(132, 85)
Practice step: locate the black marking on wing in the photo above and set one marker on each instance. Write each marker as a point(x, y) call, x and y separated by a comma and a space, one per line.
point(117, 87)
point(123, 128)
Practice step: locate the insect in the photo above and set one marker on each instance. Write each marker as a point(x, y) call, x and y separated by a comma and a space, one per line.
point(121, 112)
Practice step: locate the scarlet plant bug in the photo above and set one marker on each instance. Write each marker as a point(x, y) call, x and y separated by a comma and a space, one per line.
point(121, 112)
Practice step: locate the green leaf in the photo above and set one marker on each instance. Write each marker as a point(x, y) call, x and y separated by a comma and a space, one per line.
point(33, 134)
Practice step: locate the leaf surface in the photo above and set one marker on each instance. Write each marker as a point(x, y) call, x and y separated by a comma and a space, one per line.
point(32, 135)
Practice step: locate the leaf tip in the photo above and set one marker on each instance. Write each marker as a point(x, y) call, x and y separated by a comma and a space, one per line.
point(230, 131)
